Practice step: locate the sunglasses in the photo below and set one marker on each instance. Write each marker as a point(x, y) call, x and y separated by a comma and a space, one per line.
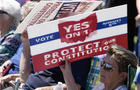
point(106, 66)
point(3, 12)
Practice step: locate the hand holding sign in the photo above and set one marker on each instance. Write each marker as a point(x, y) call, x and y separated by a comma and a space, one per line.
point(24, 35)
point(68, 77)
point(66, 68)
point(25, 41)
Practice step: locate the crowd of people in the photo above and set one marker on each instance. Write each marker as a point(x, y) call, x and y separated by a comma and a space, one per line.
point(117, 69)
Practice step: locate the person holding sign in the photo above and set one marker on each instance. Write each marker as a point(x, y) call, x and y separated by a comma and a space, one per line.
point(50, 77)
point(117, 68)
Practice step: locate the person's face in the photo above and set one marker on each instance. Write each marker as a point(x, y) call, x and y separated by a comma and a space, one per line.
point(5, 19)
point(109, 72)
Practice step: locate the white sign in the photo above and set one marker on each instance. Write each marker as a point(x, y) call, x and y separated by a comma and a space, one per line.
point(77, 37)
point(51, 10)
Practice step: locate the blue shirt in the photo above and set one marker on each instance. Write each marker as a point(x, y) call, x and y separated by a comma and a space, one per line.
point(9, 45)
point(137, 76)
point(16, 61)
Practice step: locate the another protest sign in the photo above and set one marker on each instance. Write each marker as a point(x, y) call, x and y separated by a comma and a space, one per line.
point(50, 10)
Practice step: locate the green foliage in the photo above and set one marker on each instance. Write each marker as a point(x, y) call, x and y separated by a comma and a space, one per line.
point(133, 87)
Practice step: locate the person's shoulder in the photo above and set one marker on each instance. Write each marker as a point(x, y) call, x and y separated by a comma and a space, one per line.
point(12, 38)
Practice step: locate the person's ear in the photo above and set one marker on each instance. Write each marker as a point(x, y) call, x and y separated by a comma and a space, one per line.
point(123, 76)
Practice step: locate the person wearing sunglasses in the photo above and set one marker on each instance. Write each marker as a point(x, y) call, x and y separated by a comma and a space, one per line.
point(115, 68)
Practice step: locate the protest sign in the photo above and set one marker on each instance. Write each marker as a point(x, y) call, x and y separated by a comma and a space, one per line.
point(51, 10)
point(77, 37)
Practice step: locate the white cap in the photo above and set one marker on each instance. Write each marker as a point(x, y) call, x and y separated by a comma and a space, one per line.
point(12, 7)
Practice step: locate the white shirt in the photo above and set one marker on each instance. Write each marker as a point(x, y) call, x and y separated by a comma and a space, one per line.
point(122, 87)
point(101, 86)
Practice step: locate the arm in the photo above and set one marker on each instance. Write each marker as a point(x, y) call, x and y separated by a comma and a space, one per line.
point(68, 77)
point(7, 78)
point(10, 77)
point(138, 9)
point(25, 67)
